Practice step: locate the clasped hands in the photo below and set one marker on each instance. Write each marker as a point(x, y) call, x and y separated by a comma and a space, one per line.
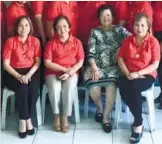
point(24, 78)
point(134, 75)
point(68, 73)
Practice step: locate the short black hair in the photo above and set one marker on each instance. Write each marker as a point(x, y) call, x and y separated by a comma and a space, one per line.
point(58, 18)
point(105, 7)
point(18, 21)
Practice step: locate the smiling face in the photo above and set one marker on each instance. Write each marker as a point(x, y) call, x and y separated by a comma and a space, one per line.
point(62, 28)
point(106, 17)
point(141, 27)
point(23, 27)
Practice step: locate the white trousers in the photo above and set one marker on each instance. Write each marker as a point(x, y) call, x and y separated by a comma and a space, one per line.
point(61, 93)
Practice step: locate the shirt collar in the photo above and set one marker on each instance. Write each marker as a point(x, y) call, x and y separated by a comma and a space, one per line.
point(27, 41)
point(70, 40)
point(144, 40)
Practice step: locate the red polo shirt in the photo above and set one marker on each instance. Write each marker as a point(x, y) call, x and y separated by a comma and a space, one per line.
point(3, 23)
point(121, 10)
point(62, 8)
point(14, 11)
point(63, 54)
point(137, 7)
point(157, 17)
point(21, 55)
point(137, 57)
point(88, 19)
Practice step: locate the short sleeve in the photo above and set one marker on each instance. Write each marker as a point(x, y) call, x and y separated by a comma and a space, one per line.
point(92, 45)
point(80, 53)
point(123, 31)
point(7, 50)
point(37, 7)
point(37, 52)
point(123, 49)
point(48, 51)
point(155, 50)
point(53, 11)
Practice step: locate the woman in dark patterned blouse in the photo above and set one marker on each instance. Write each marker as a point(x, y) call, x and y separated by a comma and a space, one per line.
point(103, 44)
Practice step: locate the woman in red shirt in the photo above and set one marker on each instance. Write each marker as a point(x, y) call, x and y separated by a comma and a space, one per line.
point(21, 60)
point(138, 59)
point(63, 57)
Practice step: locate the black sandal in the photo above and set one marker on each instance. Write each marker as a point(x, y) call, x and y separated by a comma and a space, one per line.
point(160, 106)
point(107, 127)
point(99, 117)
point(136, 137)
point(22, 134)
point(31, 132)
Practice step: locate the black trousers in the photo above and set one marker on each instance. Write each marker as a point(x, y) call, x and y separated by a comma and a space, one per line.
point(26, 94)
point(130, 91)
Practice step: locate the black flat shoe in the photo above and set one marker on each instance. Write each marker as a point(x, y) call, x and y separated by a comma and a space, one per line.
point(136, 137)
point(22, 134)
point(99, 117)
point(107, 127)
point(157, 100)
point(160, 106)
point(31, 132)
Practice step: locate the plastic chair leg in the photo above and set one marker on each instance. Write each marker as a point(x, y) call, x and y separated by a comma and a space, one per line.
point(86, 104)
point(76, 108)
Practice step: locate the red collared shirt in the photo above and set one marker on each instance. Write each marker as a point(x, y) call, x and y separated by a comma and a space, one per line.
point(88, 19)
point(21, 55)
point(63, 54)
point(157, 17)
point(135, 8)
point(121, 10)
point(14, 11)
point(62, 8)
point(137, 57)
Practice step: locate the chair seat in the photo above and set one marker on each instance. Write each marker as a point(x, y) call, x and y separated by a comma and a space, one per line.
point(7, 93)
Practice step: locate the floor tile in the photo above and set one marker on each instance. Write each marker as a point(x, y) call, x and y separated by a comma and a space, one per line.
point(94, 136)
point(52, 137)
point(9, 137)
point(121, 136)
point(156, 136)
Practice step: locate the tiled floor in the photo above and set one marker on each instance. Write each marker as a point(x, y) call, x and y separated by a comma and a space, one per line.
point(87, 132)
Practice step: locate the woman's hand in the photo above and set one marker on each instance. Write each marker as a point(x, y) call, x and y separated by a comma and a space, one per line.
point(134, 75)
point(95, 74)
point(24, 79)
point(64, 76)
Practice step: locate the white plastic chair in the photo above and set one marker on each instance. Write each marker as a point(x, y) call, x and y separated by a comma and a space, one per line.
point(9, 93)
point(101, 83)
point(149, 95)
point(76, 104)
